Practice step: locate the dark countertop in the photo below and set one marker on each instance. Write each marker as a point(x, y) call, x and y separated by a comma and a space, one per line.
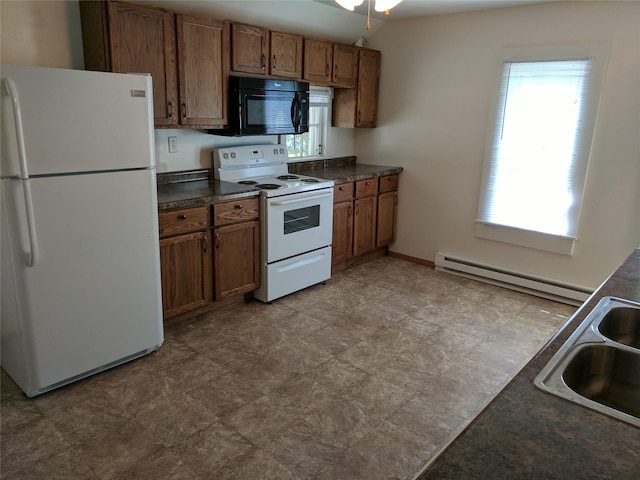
point(350, 173)
point(199, 192)
point(526, 433)
point(194, 188)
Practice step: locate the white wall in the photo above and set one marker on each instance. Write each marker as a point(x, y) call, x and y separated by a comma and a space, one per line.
point(439, 77)
point(48, 33)
point(195, 147)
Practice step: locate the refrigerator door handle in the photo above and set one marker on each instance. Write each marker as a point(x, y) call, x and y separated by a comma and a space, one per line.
point(10, 86)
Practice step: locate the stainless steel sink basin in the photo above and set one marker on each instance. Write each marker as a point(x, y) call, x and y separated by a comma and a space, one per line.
point(607, 375)
point(599, 364)
point(622, 325)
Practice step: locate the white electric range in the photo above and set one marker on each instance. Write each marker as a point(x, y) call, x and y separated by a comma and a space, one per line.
point(296, 217)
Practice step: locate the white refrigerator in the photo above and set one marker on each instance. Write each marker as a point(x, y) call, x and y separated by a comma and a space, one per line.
point(80, 283)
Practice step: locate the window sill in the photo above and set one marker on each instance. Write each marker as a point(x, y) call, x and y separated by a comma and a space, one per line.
point(525, 238)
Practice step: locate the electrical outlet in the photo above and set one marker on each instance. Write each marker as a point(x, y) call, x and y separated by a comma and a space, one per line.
point(173, 144)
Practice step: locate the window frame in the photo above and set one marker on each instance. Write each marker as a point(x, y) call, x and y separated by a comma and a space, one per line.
point(326, 96)
point(561, 244)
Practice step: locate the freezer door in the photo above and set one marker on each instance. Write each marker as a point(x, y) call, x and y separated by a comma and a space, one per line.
point(93, 295)
point(76, 121)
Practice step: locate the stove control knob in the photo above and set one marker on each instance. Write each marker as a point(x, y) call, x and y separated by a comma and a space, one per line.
point(233, 154)
point(225, 155)
point(275, 151)
point(282, 151)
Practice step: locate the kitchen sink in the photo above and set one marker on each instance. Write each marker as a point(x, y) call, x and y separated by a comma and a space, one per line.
point(599, 364)
point(622, 325)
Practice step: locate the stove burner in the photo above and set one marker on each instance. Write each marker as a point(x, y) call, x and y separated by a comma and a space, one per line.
point(310, 180)
point(247, 182)
point(287, 177)
point(268, 186)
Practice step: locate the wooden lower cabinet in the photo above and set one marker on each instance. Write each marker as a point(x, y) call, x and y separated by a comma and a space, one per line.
point(236, 254)
point(364, 224)
point(185, 264)
point(236, 257)
point(364, 219)
point(386, 228)
point(342, 241)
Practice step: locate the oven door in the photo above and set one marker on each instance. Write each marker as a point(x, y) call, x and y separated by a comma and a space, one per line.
point(297, 223)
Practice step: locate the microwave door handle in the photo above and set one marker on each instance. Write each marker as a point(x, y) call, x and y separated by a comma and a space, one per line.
point(294, 112)
point(299, 116)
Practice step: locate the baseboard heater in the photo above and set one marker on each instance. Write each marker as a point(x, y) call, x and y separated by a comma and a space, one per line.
point(541, 287)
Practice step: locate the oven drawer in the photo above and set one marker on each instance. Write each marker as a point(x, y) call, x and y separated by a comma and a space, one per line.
point(389, 183)
point(366, 188)
point(182, 221)
point(343, 192)
point(241, 210)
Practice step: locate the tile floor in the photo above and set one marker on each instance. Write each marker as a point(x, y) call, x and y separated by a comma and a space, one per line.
point(367, 377)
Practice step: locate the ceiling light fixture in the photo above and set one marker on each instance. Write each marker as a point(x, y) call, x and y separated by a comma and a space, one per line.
point(379, 6)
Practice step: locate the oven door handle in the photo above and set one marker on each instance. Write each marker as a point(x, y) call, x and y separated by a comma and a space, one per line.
point(279, 203)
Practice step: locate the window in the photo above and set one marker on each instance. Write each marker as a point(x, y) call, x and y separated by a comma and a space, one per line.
point(536, 167)
point(311, 144)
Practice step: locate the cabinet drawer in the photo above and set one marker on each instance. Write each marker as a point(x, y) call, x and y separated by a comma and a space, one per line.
point(235, 211)
point(389, 183)
point(343, 192)
point(366, 188)
point(182, 221)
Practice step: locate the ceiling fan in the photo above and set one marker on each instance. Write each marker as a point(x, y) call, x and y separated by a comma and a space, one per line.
point(379, 6)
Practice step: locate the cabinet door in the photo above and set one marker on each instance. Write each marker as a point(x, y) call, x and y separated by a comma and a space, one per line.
point(367, 96)
point(203, 53)
point(286, 55)
point(345, 65)
point(386, 230)
point(249, 48)
point(318, 59)
point(236, 259)
point(142, 40)
point(364, 225)
point(342, 240)
point(185, 265)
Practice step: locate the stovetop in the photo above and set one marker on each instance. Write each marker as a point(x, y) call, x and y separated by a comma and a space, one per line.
point(264, 167)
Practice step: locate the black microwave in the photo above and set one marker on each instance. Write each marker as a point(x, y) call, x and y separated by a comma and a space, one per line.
point(261, 106)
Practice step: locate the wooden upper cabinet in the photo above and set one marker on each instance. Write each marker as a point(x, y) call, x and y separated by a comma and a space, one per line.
point(249, 48)
point(345, 65)
point(142, 40)
point(286, 55)
point(203, 58)
point(358, 107)
point(368, 79)
point(318, 61)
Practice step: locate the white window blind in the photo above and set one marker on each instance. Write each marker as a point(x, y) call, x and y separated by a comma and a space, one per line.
point(320, 96)
point(536, 167)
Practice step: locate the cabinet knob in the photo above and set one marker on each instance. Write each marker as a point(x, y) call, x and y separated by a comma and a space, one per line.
point(341, 189)
point(368, 184)
point(238, 207)
point(182, 216)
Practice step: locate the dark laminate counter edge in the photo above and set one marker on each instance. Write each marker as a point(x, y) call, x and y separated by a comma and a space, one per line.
point(527, 433)
point(201, 189)
point(351, 173)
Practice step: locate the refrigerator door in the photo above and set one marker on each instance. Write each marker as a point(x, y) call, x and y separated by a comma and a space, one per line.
point(92, 299)
point(76, 121)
